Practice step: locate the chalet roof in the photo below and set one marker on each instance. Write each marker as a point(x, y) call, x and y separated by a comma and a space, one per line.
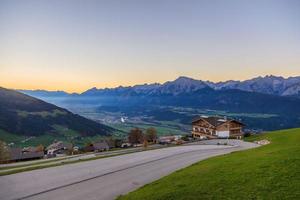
point(59, 145)
point(100, 145)
point(29, 149)
point(18, 154)
point(216, 121)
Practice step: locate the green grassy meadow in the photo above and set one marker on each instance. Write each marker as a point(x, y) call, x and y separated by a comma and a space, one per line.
point(62, 134)
point(268, 172)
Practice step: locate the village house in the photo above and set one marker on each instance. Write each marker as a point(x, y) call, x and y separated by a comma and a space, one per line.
point(169, 139)
point(58, 148)
point(19, 154)
point(97, 146)
point(101, 146)
point(216, 127)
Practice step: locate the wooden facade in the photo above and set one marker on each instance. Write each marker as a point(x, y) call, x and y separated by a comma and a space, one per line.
point(216, 127)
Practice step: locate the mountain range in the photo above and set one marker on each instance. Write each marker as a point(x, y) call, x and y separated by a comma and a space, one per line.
point(249, 100)
point(274, 85)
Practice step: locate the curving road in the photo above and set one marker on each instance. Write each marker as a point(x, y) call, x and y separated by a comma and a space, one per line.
point(108, 178)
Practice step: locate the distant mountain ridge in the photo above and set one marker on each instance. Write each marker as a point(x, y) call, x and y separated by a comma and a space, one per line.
point(271, 96)
point(274, 85)
point(45, 93)
point(178, 86)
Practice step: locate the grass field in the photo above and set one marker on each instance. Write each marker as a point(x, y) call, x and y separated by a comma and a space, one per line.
point(62, 134)
point(43, 114)
point(8, 137)
point(268, 172)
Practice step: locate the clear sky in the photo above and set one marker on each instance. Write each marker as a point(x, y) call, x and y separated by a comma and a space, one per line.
point(74, 45)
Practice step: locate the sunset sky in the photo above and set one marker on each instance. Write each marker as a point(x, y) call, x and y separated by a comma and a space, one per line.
point(74, 45)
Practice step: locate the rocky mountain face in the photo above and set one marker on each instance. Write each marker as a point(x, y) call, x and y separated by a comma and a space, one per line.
point(180, 85)
point(293, 90)
point(176, 87)
point(274, 85)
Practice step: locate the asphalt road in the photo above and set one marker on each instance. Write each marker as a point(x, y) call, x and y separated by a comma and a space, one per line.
point(66, 159)
point(108, 178)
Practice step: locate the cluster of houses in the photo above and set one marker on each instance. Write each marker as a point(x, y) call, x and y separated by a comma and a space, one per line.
point(57, 148)
point(202, 128)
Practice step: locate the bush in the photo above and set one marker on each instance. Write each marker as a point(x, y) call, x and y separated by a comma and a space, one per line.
point(4, 152)
point(247, 134)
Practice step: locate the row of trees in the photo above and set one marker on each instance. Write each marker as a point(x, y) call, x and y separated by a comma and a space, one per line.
point(136, 136)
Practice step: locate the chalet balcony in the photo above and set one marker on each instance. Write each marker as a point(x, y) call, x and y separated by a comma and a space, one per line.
point(198, 134)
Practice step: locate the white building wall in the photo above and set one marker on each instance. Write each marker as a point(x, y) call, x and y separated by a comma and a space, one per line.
point(222, 134)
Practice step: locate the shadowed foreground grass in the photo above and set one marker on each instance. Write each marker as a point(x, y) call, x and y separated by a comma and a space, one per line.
point(267, 172)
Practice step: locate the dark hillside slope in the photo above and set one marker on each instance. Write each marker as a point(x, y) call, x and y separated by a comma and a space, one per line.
point(24, 115)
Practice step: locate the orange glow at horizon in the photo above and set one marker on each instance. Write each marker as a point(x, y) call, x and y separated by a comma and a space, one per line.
point(74, 47)
point(80, 84)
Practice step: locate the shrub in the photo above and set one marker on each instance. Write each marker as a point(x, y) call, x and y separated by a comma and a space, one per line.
point(247, 134)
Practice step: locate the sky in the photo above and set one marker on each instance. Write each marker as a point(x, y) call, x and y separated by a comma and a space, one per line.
point(74, 45)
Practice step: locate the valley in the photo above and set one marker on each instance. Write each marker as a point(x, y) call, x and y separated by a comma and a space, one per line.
point(261, 103)
point(149, 100)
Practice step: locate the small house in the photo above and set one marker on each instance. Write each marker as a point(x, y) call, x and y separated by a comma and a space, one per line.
point(58, 147)
point(19, 154)
point(101, 146)
point(169, 139)
point(97, 146)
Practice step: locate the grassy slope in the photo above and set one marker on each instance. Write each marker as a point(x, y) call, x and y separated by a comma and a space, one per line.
point(62, 133)
point(8, 137)
point(268, 172)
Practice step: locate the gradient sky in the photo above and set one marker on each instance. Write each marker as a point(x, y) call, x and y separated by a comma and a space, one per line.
point(74, 45)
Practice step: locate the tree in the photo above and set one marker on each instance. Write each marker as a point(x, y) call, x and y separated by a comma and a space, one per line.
point(4, 152)
point(118, 143)
point(145, 144)
point(88, 147)
point(40, 148)
point(135, 136)
point(111, 142)
point(151, 134)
